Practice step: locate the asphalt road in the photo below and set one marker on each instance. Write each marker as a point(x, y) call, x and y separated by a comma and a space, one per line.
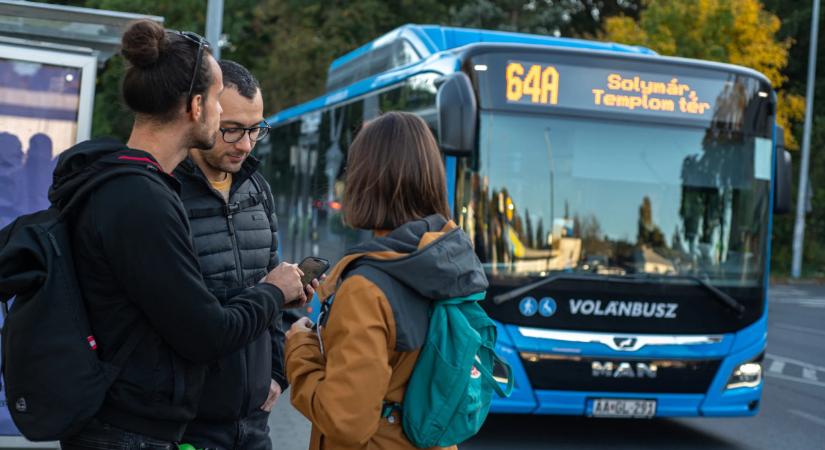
point(792, 415)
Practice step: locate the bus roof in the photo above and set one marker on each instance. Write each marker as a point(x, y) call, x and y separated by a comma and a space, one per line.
point(437, 38)
point(432, 45)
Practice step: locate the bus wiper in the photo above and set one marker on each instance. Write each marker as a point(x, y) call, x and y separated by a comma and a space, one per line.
point(721, 296)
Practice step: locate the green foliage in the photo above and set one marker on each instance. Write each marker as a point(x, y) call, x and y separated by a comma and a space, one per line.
point(796, 25)
point(559, 17)
point(301, 38)
point(734, 31)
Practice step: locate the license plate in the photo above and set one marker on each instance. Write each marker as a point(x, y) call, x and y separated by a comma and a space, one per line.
point(612, 407)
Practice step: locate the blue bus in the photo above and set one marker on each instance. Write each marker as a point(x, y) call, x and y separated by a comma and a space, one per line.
point(620, 201)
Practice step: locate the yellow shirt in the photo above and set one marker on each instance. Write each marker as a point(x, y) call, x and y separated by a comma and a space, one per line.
point(223, 186)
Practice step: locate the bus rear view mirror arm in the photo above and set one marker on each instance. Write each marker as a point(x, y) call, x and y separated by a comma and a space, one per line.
point(457, 115)
point(783, 178)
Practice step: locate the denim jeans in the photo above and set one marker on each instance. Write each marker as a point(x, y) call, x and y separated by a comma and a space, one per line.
point(249, 433)
point(101, 436)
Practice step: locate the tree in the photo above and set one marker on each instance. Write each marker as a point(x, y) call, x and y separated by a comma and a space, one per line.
point(559, 18)
point(303, 37)
point(649, 234)
point(796, 25)
point(734, 31)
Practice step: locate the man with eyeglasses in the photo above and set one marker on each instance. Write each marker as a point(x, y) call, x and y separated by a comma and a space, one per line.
point(234, 231)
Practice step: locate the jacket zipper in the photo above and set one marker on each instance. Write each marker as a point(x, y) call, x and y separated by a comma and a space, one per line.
point(245, 378)
point(235, 250)
point(230, 224)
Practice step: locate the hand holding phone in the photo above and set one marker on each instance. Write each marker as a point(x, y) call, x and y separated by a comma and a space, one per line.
point(287, 278)
point(312, 267)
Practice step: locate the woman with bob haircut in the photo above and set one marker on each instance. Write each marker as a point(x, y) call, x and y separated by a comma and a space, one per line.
point(375, 302)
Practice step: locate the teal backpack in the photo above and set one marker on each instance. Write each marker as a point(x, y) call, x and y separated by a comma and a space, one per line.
point(451, 387)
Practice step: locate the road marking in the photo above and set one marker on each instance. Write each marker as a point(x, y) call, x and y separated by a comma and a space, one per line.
point(786, 326)
point(777, 366)
point(809, 374)
point(773, 357)
point(810, 302)
point(798, 380)
point(793, 295)
point(817, 420)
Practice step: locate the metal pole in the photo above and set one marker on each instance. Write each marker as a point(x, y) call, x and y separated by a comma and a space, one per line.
point(799, 228)
point(214, 24)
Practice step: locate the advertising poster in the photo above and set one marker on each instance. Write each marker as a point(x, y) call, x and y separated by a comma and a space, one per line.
point(39, 114)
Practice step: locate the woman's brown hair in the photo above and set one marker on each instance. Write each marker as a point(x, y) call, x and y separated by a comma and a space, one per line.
point(394, 174)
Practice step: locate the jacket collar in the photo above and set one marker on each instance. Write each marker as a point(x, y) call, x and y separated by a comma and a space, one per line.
point(189, 170)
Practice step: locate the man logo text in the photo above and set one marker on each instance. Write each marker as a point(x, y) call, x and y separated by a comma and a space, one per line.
point(623, 370)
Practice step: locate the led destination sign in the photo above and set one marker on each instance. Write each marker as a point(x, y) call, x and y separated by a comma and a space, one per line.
point(667, 94)
point(633, 93)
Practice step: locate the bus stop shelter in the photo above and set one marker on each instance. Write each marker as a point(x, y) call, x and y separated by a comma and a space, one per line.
point(49, 56)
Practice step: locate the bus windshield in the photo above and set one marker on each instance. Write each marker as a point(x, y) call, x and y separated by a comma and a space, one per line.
point(616, 197)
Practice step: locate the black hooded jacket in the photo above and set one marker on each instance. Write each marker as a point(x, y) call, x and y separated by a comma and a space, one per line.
point(137, 271)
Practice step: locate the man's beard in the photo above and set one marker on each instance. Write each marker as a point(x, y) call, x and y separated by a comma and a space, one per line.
point(202, 138)
point(214, 160)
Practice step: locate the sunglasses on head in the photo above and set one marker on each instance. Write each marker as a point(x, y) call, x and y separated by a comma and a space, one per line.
point(202, 43)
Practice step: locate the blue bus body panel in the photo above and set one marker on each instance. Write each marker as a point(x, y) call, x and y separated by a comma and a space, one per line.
point(734, 349)
point(450, 164)
point(442, 64)
point(431, 39)
point(435, 45)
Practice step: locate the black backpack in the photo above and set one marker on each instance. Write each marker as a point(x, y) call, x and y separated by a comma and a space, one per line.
point(55, 382)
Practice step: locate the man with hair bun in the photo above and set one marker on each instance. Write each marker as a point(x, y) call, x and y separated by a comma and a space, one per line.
point(234, 229)
point(134, 260)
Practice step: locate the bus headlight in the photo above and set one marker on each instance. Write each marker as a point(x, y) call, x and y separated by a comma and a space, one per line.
point(746, 375)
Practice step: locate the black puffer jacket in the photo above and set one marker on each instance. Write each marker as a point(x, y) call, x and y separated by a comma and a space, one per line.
point(137, 271)
point(236, 243)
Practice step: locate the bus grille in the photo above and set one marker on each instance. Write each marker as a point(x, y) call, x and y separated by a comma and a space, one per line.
point(574, 373)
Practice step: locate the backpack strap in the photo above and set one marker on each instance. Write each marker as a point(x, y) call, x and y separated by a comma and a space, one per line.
point(124, 352)
point(228, 209)
point(260, 197)
point(488, 377)
point(387, 408)
point(411, 314)
point(259, 182)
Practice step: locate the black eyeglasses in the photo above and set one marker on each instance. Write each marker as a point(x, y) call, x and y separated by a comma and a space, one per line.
point(202, 43)
point(235, 134)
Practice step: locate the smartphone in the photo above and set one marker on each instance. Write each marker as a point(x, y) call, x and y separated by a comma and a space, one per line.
point(312, 267)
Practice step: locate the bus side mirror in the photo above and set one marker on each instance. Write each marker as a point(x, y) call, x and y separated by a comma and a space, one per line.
point(457, 114)
point(783, 180)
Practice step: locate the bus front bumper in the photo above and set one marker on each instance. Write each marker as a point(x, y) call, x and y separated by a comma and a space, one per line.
point(716, 401)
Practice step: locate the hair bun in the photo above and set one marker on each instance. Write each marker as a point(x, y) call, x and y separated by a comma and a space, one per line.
point(143, 43)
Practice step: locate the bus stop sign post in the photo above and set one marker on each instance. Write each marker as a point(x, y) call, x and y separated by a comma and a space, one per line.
point(799, 228)
point(214, 23)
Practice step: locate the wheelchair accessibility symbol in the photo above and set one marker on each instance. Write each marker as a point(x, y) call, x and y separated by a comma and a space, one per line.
point(547, 307)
